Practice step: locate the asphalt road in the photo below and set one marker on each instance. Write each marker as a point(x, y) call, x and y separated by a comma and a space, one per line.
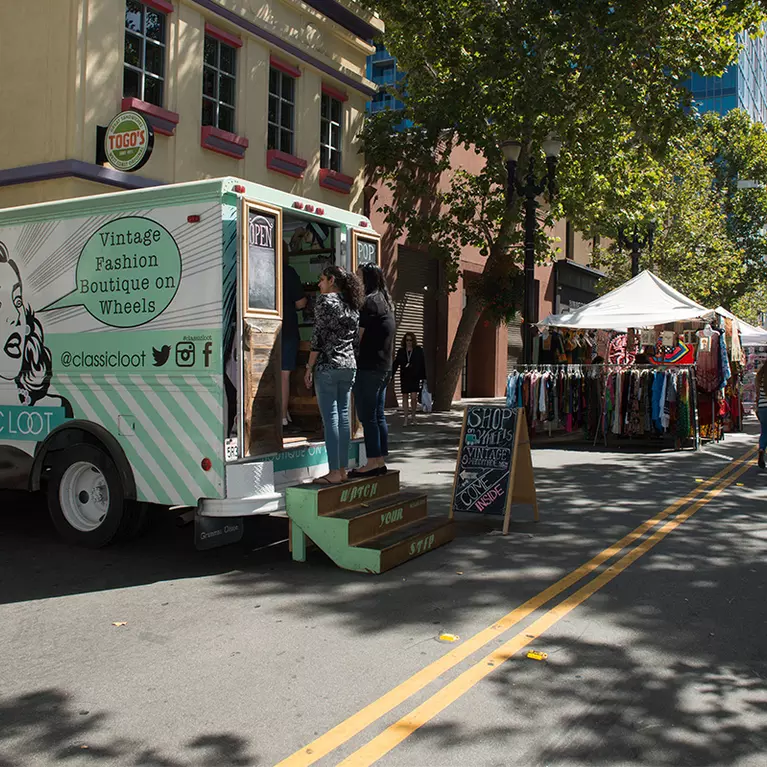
point(238, 656)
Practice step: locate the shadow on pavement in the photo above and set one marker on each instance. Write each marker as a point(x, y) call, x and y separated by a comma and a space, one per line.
point(669, 684)
point(36, 564)
point(45, 724)
point(666, 667)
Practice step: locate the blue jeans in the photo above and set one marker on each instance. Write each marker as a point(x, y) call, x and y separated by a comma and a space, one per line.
point(761, 414)
point(333, 387)
point(370, 399)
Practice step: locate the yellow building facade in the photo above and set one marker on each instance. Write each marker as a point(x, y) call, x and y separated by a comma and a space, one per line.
point(273, 91)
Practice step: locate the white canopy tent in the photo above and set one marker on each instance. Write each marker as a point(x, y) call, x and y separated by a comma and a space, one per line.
point(749, 334)
point(643, 302)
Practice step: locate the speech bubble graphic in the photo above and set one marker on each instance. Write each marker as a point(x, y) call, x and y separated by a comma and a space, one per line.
point(127, 273)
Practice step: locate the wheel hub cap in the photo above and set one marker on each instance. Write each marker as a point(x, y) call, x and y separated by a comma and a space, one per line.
point(84, 496)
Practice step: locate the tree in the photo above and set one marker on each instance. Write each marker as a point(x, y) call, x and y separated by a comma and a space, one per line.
point(710, 242)
point(752, 305)
point(606, 76)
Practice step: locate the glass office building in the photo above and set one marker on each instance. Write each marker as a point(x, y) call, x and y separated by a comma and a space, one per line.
point(743, 84)
point(382, 70)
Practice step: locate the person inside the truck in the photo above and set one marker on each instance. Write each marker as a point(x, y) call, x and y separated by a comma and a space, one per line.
point(293, 299)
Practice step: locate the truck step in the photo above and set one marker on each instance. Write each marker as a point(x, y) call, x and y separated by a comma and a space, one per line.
point(369, 520)
point(411, 541)
point(366, 525)
point(327, 499)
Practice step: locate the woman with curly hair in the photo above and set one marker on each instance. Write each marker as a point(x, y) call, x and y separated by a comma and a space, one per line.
point(332, 365)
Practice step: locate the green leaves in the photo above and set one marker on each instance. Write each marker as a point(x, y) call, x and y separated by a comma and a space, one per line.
point(606, 76)
point(710, 244)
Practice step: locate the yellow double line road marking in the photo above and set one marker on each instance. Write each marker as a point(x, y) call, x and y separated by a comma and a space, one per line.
point(395, 734)
point(419, 716)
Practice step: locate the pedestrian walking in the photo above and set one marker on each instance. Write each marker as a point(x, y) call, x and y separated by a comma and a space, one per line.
point(332, 364)
point(374, 363)
point(761, 409)
point(411, 362)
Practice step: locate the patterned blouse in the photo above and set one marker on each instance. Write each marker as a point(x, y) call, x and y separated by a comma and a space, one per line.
point(336, 332)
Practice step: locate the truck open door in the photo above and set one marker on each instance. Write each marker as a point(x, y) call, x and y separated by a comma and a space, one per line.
point(366, 249)
point(259, 301)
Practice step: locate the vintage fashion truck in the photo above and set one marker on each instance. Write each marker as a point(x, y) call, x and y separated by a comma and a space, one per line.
point(140, 351)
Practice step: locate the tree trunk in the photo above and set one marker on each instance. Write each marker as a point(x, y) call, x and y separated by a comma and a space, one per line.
point(496, 263)
point(443, 396)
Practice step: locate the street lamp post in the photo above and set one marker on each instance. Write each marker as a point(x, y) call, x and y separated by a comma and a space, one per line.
point(636, 244)
point(530, 190)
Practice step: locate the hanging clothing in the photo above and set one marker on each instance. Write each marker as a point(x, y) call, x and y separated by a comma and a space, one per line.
point(622, 402)
point(617, 404)
point(708, 362)
point(724, 364)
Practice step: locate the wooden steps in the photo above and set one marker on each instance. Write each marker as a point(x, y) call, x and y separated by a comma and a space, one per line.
point(367, 524)
point(369, 520)
point(412, 540)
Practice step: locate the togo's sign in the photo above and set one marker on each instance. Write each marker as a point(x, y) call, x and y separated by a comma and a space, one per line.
point(128, 141)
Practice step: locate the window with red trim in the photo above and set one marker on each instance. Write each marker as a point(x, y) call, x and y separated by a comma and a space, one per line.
point(144, 61)
point(219, 81)
point(282, 111)
point(331, 120)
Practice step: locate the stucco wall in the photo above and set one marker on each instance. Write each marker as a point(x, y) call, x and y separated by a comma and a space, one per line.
point(63, 74)
point(35, 43)
point(53, 189)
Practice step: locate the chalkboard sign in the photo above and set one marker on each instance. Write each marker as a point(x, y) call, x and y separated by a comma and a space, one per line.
point(484, 461)
point(367, 250)
point(262, 262)
point(494, 463)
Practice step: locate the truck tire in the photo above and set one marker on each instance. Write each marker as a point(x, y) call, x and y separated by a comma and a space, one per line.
point(140, 515)
point(86, 499)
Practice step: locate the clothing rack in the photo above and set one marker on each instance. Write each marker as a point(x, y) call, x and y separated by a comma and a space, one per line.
point(550, 367)
point(607, 369)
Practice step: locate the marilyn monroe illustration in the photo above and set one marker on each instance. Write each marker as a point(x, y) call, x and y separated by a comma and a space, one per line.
point(24, 358)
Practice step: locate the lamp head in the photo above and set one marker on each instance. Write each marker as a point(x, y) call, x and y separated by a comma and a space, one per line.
point(552, 146)
point(511, 150)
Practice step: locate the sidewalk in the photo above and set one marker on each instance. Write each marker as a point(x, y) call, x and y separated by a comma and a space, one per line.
point(433, 428)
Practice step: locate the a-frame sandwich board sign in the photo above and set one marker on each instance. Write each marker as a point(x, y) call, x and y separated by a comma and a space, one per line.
point(494, 469)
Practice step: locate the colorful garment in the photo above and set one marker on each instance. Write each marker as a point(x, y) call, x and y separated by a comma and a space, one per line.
point(708, 363)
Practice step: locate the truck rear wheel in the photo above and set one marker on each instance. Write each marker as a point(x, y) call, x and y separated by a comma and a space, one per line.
point(86, 499)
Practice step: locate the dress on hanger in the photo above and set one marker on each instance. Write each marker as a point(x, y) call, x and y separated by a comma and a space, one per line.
point(708, 362)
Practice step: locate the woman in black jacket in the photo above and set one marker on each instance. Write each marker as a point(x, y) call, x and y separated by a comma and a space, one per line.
point(377, 328)
point(411, 362)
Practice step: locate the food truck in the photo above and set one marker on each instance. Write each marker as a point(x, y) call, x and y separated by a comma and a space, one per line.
point(140, 352)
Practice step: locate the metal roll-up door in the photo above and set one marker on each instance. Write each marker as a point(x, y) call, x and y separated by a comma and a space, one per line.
point(514, 329)
point(415, 303)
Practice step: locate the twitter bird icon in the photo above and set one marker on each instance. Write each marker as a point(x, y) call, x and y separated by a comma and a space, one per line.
point(161, 355)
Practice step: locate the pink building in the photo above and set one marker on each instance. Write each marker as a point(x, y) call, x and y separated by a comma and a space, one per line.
point(424, 307)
